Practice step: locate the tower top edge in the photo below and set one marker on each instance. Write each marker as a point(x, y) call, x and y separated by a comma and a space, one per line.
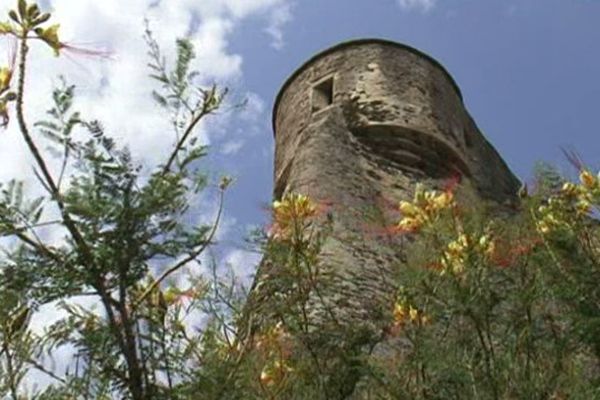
point(352, 43)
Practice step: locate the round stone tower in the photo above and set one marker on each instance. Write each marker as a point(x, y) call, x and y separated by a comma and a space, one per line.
point(370, 116)
point(356, 127)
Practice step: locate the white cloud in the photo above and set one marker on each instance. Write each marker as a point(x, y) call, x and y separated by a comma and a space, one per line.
point(253, 109)
point(423, 5)
point(232, 147)
point(278, 19)
point(243, 263)
point(117, 91)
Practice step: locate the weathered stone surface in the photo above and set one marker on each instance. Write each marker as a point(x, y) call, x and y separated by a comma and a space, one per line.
point(391, 117)
point(396, 118)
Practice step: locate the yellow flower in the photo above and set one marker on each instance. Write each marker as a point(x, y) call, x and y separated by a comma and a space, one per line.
point(91, 322)
point(171, 295)
point(484, 241)
point(50, 36)
point(275, 340)
point(413, 313)
point(444, 200)
point(399, 313)
point(405, 313)
point(266, 378)
point(454, 255)
point(419, 193)
point(583, 207)
point(5, 77)
point(569, 189)
point(424, 208)
point(410, 224)
point(588, 180)
point(409, 209)
point(5, 27)
point(292, 211)
point(458, 246)
point(487, 245)
point(543, 227)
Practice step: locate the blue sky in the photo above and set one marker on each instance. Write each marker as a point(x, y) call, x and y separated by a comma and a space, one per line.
point(528, 70)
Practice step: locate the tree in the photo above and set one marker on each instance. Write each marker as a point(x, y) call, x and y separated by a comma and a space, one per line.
point(125, 233)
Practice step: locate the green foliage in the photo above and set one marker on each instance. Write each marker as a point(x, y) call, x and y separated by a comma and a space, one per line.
point(490, 303)
point(123, 233)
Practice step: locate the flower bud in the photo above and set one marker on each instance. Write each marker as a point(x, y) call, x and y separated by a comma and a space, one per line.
point(43, 18)
point(225, 182)
point(13, 15)
point(5, 77)
point(33, 11)
point(22, 6)
point(10, 96)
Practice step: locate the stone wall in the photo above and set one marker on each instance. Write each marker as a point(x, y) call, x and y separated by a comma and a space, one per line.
point(394, 100)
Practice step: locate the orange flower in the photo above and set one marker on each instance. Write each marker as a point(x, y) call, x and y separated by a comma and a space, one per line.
point(274, 372)
point(425, 207)
point(404, 313)
point(293, 211)
point(588, 180)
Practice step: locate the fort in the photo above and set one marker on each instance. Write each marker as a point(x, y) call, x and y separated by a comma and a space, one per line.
point(357, 126)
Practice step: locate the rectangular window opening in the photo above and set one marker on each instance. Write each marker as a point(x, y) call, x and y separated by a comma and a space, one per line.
point(322, 95)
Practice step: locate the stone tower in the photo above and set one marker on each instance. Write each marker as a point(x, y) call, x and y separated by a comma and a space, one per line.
point(357, 126)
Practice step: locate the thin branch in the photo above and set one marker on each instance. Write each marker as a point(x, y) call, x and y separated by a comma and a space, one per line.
point(38, 246)
point(82, 247)
point(195, 119)
point(187, 259)
point(43, 369)
point(48, 179)
point(64, 164)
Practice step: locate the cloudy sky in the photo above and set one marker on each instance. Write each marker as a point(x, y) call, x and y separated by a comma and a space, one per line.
point(527, 69)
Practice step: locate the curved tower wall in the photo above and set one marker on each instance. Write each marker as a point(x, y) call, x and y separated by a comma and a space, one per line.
point(357, 126)
point(395, 101)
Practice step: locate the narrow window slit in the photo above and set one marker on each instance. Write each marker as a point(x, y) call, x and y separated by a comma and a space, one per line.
point(322, 95)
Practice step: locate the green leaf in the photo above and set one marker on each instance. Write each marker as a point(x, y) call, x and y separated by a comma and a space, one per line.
point(193, 155)
point(13, 15)
point(33, 11)
point(159, 99)
point(22, 6)
point(43, 18)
